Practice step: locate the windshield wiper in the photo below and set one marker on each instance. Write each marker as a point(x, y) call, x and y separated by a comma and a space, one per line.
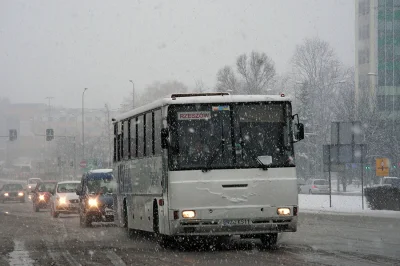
point(213, 156)
point(242, 146)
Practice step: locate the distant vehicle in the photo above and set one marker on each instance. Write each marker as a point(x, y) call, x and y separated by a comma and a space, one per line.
point(64, 200)
point(12, 192)
point(389, 181)
point(300, 182)
point(31, 184)
point(315, 186)
point(95, 197)
point(207, 165)
point(42, 194)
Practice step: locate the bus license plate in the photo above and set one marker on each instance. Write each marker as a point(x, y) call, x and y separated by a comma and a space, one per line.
point(236, 222)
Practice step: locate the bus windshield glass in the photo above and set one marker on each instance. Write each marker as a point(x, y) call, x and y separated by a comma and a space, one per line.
point(217, 136)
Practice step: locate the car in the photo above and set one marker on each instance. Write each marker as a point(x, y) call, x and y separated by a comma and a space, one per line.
point(42, 194)
point(12, 192)
point(95, 197)
point(64, 199)
point(315, 186)
point(31, 184)
point(389, 181)
point(300, 182)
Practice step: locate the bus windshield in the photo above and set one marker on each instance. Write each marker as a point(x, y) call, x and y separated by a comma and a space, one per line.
point(230, 135)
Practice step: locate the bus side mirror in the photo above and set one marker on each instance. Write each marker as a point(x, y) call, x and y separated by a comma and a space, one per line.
point(78, 190)
point(164, 138)
point(300, 131)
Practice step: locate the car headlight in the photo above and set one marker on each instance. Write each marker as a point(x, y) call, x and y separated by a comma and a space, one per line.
point(93, 202)
point(188, 214)
point(283, 211)
point(20, 194)
point(30, 187)
point(62, 201)
point(6, 194)
point(41, 197)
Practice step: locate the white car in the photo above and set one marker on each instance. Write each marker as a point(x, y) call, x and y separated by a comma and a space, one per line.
point(31, 184)
point(65, 199)
point(389, 180)
point(315, 186)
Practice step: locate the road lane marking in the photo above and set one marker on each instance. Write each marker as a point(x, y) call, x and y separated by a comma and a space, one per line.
point(20, 256)
point(115, 259)
point(71, 259)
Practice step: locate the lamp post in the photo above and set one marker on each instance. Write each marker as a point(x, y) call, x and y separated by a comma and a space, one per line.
point(133, 94)
point(83, 124)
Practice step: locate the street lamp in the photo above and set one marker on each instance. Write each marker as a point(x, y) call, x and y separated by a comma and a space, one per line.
point(133, 94)
point(83, 124)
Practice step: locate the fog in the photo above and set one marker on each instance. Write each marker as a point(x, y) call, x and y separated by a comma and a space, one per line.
point(57, 48)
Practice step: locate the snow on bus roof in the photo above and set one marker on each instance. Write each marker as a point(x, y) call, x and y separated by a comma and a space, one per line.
point(203, 99)
point(97, 171)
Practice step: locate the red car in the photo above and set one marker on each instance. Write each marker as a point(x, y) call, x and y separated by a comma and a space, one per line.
point(42, 194)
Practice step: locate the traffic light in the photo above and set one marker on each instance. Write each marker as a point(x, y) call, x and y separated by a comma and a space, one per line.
point(367, 167)
point(49, 134)
point(13, 134)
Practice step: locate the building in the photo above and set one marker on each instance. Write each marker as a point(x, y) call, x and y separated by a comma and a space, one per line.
point(378, 55)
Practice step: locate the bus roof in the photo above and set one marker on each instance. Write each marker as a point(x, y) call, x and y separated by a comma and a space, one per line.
point(202, 99)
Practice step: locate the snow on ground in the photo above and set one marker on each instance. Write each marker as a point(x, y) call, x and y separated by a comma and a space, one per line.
point(341, 204)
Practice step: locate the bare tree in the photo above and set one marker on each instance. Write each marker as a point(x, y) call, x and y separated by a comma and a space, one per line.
point(320, 73)
point(257, 71)
point(199, 86)
point(226, 80)
point(153, 92)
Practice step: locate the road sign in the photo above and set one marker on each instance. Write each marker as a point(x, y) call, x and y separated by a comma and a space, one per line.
point(382, 166)
point(83, 164)
point(49, 134)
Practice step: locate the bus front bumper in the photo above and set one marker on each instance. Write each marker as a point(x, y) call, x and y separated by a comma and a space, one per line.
point(235, 227)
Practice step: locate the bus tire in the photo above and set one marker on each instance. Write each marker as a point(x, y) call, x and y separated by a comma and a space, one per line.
point(125, 213)
point(269, 240)
point(156, 220)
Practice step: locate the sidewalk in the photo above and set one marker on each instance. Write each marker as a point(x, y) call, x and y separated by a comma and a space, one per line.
point(341, 204)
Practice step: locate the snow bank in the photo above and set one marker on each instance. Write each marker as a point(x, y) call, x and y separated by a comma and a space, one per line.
point(350, 205)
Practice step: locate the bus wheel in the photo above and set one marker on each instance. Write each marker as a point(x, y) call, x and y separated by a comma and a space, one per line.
point(269, 240)
point(125, 214)
point(156, 220)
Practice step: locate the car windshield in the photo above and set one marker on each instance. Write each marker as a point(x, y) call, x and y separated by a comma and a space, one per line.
point(102, 186)
point(33, 181)
point(46, 187)
point(12, 187)
point(67, 187)
point(390, 181)
point(321, 182)
point(230, 135)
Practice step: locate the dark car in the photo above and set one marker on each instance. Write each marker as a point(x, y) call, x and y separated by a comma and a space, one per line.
point(12, 192)
point(42, 195)
point(95, 197)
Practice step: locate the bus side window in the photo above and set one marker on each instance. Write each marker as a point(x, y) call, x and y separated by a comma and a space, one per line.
point(115, 143)
point(149, 134)
point(157, 125)
point(140, 136)
point(133, 137)
point(125, 134)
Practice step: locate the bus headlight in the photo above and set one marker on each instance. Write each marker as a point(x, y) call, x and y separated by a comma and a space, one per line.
point(283, 211)
point(188, 214)
point(92, 202)
point(41, 197)
point(6, 194)
point(20, 194)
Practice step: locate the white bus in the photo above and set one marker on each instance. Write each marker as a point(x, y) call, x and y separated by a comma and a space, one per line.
point(208, 164)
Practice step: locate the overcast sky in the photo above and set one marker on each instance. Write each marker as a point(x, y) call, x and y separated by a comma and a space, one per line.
point(57, 48)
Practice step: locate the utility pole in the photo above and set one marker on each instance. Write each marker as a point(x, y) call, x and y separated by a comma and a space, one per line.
point(133, 94)
point(83, 124)
point(108, 136)
point(48, 125)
